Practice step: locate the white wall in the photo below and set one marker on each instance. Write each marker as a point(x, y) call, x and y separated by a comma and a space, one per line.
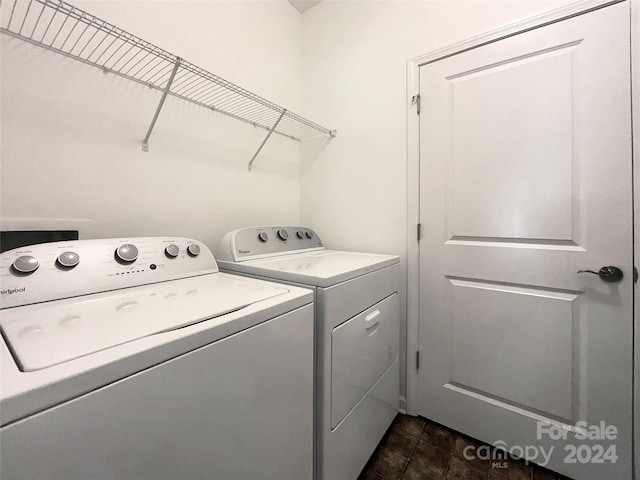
point(71, 135)
point(354, 80)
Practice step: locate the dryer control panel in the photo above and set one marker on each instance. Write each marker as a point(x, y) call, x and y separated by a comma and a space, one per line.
point(259, 242)
point(51, 271)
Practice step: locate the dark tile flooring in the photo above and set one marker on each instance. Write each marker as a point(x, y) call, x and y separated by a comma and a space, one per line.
point(417, 449)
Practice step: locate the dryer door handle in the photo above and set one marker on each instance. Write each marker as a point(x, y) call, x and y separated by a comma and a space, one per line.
point(372, 319)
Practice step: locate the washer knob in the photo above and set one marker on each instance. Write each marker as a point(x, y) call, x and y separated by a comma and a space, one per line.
point(26, 264)
point(263, 237)
point(172, 251)
point(300, 234)
point(283, 234)
point(68, 259)
point(309, 234)
point(127, 253)
point(193, 249)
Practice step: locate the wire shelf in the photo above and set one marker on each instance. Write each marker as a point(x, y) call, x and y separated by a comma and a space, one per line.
point(59, 26)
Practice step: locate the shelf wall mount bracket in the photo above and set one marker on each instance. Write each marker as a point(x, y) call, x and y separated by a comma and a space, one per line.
point(165, 92)
point(65, 29)
point(284, 110)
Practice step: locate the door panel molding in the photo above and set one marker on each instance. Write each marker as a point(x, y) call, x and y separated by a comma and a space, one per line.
point(413, 183)
point(413, 177)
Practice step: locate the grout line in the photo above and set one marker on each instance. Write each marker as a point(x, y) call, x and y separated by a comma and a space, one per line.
point(446, 472)
point(418, 436)
point(411, 454)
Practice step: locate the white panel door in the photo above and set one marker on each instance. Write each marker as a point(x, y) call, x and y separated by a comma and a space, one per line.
point(525, 178)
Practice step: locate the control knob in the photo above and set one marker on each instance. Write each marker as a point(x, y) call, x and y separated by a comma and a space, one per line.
point(127, 253)
point(300, 234)
point(309, 234)
point(283, 234)
point(193, 249)
point(68, 259)
point(26, 264)
point(172, 251)
point(263, 237)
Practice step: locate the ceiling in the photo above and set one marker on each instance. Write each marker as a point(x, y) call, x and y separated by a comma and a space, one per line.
point(304, 5)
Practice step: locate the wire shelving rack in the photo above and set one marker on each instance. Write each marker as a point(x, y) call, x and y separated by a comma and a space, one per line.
point(62, 28)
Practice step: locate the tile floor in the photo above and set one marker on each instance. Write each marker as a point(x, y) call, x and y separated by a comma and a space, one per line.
point(418, 449)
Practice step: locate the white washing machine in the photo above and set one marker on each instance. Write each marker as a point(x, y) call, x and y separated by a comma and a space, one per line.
point(357, 325)
point(137, 359)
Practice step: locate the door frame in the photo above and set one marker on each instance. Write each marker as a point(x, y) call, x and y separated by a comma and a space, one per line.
point(413, 179)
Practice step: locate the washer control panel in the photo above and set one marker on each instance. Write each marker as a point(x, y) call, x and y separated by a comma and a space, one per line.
point(51, 271)
point(258, 242)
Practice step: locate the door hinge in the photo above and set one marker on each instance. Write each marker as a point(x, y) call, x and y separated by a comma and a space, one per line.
point(635, 275)
point(418, 360)
point(419, 231)
point(415, 100)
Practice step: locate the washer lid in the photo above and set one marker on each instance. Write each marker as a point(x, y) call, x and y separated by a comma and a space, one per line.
point(321, 268)
point(50, 333)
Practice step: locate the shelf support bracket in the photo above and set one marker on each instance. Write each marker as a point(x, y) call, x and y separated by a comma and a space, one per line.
point(284, 110)
point(165, 92)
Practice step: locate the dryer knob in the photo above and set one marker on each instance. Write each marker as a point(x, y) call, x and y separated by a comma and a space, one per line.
point(68, 259)
point(263, 237)
point(26, 264)
point(300, 234)
point(127, 253)
point(309, 234)
point(283, 234)
point(193, 249)
point(172, 251)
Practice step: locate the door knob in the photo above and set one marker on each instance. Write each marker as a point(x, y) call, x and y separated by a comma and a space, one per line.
point(608, 274)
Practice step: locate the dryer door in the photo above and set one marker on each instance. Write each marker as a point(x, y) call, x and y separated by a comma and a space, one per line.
point(362, 349)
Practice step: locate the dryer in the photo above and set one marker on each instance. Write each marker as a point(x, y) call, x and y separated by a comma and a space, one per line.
point(137, 358)
point(357, 328)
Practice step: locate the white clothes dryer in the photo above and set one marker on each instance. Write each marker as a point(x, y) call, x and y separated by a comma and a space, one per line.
point(357, 325)
point(136, 358)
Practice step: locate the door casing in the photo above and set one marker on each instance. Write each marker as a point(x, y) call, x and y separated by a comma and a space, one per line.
point(413, 181)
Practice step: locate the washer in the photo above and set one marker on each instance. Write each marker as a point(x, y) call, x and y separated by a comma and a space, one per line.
point(357, 323)
point(137, 358)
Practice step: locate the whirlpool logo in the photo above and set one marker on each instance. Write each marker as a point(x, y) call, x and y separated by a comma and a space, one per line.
point(11, 291)
point(243, 251)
